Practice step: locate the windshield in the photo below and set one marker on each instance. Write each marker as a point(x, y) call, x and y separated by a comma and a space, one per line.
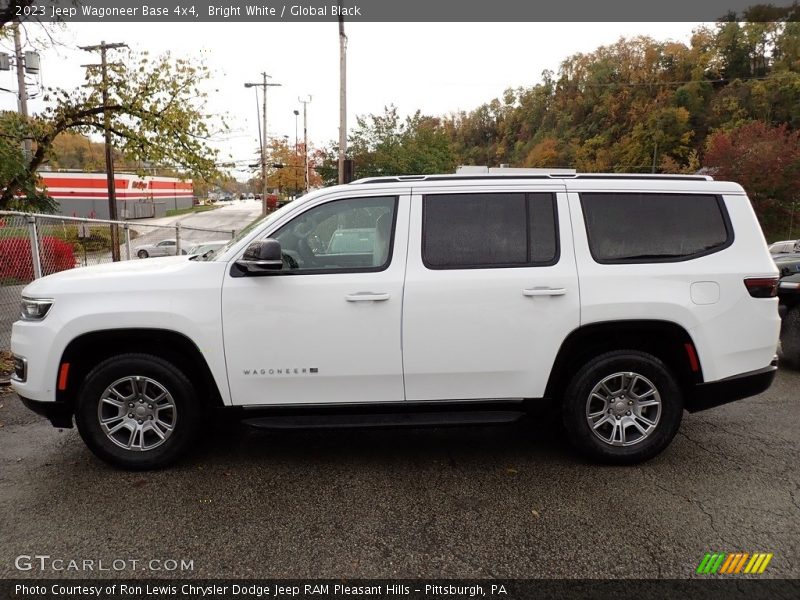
point(245, 231)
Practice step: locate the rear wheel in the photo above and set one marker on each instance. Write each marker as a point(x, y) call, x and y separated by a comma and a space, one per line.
point(137, 411)
point(622, 407)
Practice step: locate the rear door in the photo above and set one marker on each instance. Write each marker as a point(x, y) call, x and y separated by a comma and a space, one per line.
point(491, 291)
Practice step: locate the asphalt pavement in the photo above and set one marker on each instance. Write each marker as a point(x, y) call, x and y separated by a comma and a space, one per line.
point(500, 501)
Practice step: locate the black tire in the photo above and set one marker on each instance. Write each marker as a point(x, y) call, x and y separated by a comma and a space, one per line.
point(575, 409)
point(790, 337)
point(142, 254)
point(187, 411)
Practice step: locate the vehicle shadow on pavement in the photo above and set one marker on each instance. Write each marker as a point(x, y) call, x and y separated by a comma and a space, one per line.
point(526, 438)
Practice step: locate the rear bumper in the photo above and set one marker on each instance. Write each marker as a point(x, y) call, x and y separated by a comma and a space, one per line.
point(58, 413)
point(730, 389)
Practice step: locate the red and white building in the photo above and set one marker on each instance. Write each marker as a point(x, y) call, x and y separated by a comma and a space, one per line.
point(86, 194)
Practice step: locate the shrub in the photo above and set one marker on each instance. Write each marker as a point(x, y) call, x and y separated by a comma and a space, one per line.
point(16, 264)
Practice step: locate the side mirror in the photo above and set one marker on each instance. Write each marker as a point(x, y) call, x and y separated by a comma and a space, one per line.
point(261, 256)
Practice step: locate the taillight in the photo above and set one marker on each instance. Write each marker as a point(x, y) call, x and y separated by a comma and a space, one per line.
point(762, 287)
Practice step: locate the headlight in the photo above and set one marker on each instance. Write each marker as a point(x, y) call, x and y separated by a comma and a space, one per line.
point(34, 309)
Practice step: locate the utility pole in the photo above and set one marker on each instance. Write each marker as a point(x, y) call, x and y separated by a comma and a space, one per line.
point(296, 154)
point(22, 91)
point(264, 85)
point(296, 114)
point(112, 190)
point(305, 141)
point(342, 96)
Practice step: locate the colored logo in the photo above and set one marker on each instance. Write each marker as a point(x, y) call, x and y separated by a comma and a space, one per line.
point(727, 563)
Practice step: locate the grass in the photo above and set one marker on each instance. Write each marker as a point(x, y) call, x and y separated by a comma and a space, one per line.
point(193, 209)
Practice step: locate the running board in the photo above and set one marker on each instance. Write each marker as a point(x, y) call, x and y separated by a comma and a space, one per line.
point(375, 420)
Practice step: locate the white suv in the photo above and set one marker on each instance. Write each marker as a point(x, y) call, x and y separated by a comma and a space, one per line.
point(620, 299)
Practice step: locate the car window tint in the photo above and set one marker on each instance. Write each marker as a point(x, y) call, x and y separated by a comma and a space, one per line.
point(543, 231)
point(652, 227)
point(489, 230)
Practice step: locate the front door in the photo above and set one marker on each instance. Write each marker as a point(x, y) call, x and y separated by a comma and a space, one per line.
point(326, 328)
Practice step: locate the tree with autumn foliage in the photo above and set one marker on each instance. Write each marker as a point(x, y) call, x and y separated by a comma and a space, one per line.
point(765, 160)
point(285, 166)
point(637, 105)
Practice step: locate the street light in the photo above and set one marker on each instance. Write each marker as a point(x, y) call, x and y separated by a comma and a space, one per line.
point(264, 85)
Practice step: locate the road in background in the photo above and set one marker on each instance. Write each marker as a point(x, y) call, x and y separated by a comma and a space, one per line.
point(231, 216)
point(509, 501)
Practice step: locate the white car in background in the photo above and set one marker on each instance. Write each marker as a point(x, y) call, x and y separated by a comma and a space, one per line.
point(203, 248)
point(162, 248)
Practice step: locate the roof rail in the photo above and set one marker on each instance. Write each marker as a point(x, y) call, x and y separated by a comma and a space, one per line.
point(546, 174)
point(506, 170)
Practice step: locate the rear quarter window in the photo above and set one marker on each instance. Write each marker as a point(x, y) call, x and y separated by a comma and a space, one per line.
point(654, 227)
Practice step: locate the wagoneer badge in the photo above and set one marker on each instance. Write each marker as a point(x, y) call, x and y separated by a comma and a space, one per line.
point(291, 371)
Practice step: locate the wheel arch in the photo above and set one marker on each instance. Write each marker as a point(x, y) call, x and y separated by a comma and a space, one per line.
point(89, 349)
point(666, 340)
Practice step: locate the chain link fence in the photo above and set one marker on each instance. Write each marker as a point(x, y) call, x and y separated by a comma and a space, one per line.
point(33, 245)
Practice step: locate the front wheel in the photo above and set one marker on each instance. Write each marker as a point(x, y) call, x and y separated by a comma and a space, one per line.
point(623, 407)
point(142, 254)
point(137, 411)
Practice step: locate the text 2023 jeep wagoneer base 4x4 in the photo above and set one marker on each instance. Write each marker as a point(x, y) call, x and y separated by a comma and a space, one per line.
point(621, 299)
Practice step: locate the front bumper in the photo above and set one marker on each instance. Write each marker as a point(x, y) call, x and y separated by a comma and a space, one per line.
point(730, 389)
point(58, 413)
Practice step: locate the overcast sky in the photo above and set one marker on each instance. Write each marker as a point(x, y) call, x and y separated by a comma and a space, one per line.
point(436, 67)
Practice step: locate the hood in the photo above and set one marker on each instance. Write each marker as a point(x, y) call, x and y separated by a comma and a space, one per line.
point(136, 275)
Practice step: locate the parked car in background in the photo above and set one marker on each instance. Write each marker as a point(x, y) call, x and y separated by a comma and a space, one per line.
point(352, 241)
point(205, 247)
point(789, 297)
point(784, 247)
point(162, 248)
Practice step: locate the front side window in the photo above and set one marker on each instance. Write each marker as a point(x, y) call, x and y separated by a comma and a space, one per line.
point(627, 227)
point(344, 235)
point(463, 231)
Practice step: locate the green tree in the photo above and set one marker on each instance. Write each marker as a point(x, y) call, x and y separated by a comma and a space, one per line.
point(388, 145)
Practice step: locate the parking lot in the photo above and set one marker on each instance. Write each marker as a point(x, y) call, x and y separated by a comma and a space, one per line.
point(509, 501)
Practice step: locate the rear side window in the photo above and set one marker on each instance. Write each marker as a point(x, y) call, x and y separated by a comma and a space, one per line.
point(469, 231)
point(647, 227)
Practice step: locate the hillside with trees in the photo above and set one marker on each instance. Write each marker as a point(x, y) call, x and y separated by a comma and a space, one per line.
point(728, 102)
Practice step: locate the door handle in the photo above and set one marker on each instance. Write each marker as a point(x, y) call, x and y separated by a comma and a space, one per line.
point(543, 291)
point(366, 297)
